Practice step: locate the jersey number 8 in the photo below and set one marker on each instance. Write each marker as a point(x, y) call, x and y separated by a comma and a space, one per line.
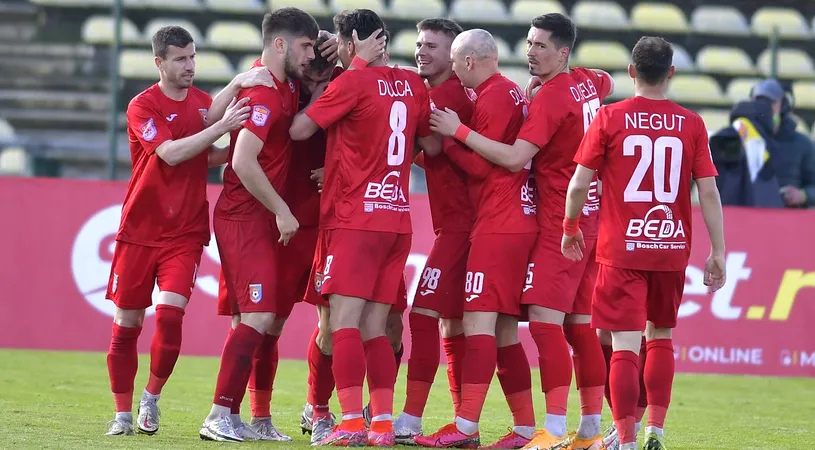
point(396, 141)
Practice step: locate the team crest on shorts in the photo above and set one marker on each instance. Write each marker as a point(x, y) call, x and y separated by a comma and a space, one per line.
point(256, 292)
point(318, 281)
point(148, 130)
point(260, 114)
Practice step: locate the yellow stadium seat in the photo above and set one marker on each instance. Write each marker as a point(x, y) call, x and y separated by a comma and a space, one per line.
point(342, 5)
point(223, 141)
point(791, 63)
point(664, 17)
point(518, 75)
point(696, 89)
point(623, 85)
point(600, 14)
point(715, 19)
point(520, 51)
point(790, 22)
point(478, 11)
point(99, 30)
point(315, 7)
point(504, 52)
point(416, 9)
point(404, 43)
point(804, 92)
point(137, 64)
point(602, 55)
point(523, 11)
point(173, 4)
point(6, 130)
point(682, 60)
point(246, 62)
point(212, 67)
point(725, 60)
point(739, 89)
point(403, 63)
point(13, 161)
point(715, 119)
point(154, 25)
point(244, 6)
point(234, 35)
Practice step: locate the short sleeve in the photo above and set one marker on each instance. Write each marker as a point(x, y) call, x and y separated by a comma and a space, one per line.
point(265, 110)
point(337, 101)
point(602, 82)
point(592, 151)
point(147, 124)
point(703, 166)
point(543, 120)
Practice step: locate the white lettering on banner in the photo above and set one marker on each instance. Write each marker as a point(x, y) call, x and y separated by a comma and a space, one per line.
point(808, 359)
point(721, 355)
point(722, 304)
point(797, 359)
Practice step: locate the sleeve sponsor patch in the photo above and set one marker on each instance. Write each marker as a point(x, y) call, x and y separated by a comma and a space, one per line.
point(148, 130)
point(260, 114)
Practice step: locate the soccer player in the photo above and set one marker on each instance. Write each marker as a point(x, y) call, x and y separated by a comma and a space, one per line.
point(440, 294)
point(647, 150)
point(558, 291)
point(165, 221)
point(372, 116)
point(500, 245)
point(251, 220)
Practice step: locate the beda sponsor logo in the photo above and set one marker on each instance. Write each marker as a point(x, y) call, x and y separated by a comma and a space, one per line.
point(658, 225)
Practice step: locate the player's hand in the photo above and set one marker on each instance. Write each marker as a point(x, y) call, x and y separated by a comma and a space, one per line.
point(533, 83)
point(258, 76)
point(287, 225)
point(372, 47)
point(317, 177)
point(793, 196)
point(572, 246)
point(444, 122)
point(715, 273)
point(330, 48)
point(236, 114)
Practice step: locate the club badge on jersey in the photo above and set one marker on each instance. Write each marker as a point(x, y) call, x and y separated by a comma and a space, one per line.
point(260, 114)
point(203, 112)
point(256, 292)
point(148, 130)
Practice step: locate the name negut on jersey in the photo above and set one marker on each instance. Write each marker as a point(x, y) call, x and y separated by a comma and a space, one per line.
point(656, 122)
point(399, 88)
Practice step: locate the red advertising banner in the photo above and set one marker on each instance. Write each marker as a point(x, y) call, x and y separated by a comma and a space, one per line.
point(57, 240)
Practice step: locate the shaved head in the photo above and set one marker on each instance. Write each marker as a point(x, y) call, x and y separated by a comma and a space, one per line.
point(476, 43)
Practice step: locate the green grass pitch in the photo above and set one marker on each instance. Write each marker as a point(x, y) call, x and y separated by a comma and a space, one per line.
point(61, 400)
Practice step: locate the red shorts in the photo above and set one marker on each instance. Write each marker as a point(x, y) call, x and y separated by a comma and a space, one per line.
point(249, 261)
point(496, 270)
point(362, 264)
point(441, 287)
point(556, 283)
point(136, 269)
point(624, 299)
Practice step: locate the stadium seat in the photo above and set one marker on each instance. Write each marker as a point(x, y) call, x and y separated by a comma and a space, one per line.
point(715, 119)
point(599, 14)
point(516, 74)
point(504, 51)
point(664, 17)
point(682, 59)
point(791, 63)
point(314, 7)
point(478, 11)
point(401, 63)
point(602, 55)
point(153, 26)
point(239, 6)
point(724, 60)
point(623, 85)
point(193, 5)
point(739, 89)
point(404, 43)
point(212, 66)
point(804, 92)
point(342, 5)
point(137, 64)
point(99, 30)
point(520, 51)
point(790, 22)
point(522, 11)
point(6, 130)
point(416, 9)
point(234, 35)
point(700, 89)
point(717, 19)
point(246, 62)
point(13, 161)
point(222, 141)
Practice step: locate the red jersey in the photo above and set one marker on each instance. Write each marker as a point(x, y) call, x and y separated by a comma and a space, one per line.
point(647, 152)
point(272, 113)
point(504, 200)
point(372, 117)
point(165, 205)
point(450, 207)
point(557, 132)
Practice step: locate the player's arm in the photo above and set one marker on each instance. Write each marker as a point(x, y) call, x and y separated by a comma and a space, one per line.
point(711, 205)
point(338, 99)
point(578, 191)
point(607, 79)
point(470, 162)
point(704, 172)
point(257, 76)
point(247, 168)
point(217, 156)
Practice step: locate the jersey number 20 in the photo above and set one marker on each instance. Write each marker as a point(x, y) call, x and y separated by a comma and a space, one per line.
point(396, 141)
point(653, 152)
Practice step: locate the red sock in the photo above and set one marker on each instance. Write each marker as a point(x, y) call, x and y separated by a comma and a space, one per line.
point(236, 402)
point(555, 365)
point(123, 362)
point(423, 363)
point(455, 347)
point(589, 366)
point(261, 381)
point(320, 378)
point(236, 364)
point(607, 352)
point(625, 386)
point(165, 347)
point(381, 375)
point(642, 403)
point(349, 369)
point(659, 377)
point(398, 357)
point(477, 370)
point(515, 377)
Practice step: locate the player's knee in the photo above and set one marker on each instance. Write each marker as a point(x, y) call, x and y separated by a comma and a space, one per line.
point(653, 333)
point(172, 299)
point(346, 312)
point(506, 330)
point(575, 331)
point(425, 312)
point(236, 320)
point(260, 321)
point(604, 336)
point(626, 341)
point(451, 327)
point(128, 318)
point(546, 315)
point(394, 333)
point(276, 329)
point(479, 323)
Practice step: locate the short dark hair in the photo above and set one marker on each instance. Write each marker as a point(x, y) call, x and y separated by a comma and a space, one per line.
point(440, 25)
point(562, 29)
point(652, 58)
point(364, 21)
point(292, 21)
point(320, 62)
point(167, 36)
